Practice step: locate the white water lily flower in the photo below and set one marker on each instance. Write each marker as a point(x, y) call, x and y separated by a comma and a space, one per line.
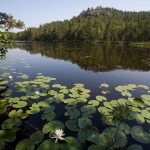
point(10, 77)
point(58, 135)
point(37, 92)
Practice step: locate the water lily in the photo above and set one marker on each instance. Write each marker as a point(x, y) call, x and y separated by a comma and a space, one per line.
point(10, 77)
point(58, 135)
point(37, 92)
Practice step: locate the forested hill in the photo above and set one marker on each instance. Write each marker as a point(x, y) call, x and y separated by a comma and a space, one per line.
point(99, 24)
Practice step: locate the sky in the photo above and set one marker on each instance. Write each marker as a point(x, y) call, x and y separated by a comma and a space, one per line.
point(36, 12)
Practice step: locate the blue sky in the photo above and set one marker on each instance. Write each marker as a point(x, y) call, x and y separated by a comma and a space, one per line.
point(36, 12)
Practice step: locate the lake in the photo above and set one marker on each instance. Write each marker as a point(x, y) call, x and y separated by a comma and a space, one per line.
point(95, 85)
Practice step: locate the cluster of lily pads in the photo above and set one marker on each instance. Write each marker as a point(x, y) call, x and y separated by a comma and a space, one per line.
point(44, 98)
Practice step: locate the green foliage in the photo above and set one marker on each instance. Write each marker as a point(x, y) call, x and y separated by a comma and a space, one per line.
point(59, 108)
point(7, 38)
point(101, 25)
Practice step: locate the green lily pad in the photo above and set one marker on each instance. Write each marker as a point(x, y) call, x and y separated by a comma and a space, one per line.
point(20, 104)
point(135, 147)
point(52, 126)
point(145, 114)
point(2, 144)
point(25, 144)
point(138, 117)
point(101, 98)
point(72, 125)
point(108, 105)
point(93, 102)
point(143, 86)
point(48, 145)
point(145, 97)
point(84, 134)
point(37, 137)
point(120, 140)
point(140, 135)
point(33, 110)
point(48, 116)
point(73, 113)
point(15, 114)
point(84, 122)
point(104, 85)
point(89, 109)
point(8, 135)
point(73, 141)
point(11, 123)
point(65, 146)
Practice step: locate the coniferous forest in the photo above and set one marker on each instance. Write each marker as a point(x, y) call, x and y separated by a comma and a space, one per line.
point(98, 24)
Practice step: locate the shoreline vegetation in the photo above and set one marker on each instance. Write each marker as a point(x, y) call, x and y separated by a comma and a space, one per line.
point(101, 25)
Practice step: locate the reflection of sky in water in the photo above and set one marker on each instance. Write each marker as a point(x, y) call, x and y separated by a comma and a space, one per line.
point(67, 73)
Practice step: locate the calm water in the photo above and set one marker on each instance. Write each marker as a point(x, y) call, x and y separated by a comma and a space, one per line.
point(90, 64)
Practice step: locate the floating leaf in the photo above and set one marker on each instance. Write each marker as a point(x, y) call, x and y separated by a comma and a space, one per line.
point(89, 109)
point(138, 117)
point(146, 97)
point(101, 98)
point(84, 134)
point(48, 145)
point(52, 126)
point(72, 125)
point(93, 102)
point(20, 104)
point(15, 114)
point(2, 144)
point(140, 135)
point(104, 85)
point(73, 113)
point(135, 147)
point(145, 114)
point(33, 110)
point(143, 86)
point(25, 144)
point(8, 135)
point(73, 141)
point(65, 146)
point(48, 116)
point(11, 123)
point(37, 137)
point(84, 122)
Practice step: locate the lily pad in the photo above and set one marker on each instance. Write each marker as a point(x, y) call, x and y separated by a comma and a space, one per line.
point(11, 123)
point(72, 125)
point(138, 117)
point(84, 134)
point(101, 98)
point(20, 104)
point(37, 137)
point(140, 135)
point(84, 122)
point(93, 102)
point(65, 146)
point(135, 147)
point(73, 141)
point(48, 145)
point(145, 114)
point(89, 109)
point(25, 144)
point(52, 126)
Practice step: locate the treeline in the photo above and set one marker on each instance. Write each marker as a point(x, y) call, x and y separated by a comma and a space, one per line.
point(99, 24)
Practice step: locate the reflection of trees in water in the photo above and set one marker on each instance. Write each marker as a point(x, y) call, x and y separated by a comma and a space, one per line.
point(94, 57)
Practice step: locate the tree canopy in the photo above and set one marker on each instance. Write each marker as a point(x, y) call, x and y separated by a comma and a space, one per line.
point(99, 24)
point(6, 38)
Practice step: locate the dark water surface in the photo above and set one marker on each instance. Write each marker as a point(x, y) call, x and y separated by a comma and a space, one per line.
point(90, 64)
